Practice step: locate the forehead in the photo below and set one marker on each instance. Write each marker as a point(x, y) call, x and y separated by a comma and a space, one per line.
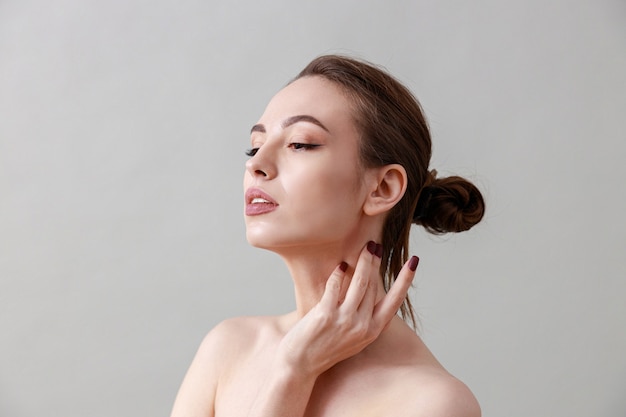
point(314, 96)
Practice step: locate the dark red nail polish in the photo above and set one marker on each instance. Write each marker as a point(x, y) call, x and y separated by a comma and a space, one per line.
point(343, 266)
point(413, 263)
point(371, 247)
point(379, 250)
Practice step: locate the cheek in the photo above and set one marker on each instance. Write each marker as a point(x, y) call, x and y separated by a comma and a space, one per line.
point(331, 195)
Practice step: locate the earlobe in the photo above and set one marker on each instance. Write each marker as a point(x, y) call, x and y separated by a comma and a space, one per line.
point(388, 188)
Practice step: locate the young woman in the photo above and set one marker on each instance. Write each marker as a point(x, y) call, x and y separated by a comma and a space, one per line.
point(338, 172)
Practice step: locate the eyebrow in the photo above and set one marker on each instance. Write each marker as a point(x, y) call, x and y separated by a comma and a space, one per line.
point(290, 121)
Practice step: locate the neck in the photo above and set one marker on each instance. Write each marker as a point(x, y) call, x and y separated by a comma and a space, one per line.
point(311, 267)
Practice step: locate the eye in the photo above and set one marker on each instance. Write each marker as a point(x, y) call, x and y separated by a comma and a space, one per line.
point(251, 152)
point(302, 146)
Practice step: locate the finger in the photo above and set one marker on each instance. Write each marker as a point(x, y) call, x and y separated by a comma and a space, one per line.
point(388, 307)
point(369, 299)
point(332, 292)
point(360, 278)
point(345, 283)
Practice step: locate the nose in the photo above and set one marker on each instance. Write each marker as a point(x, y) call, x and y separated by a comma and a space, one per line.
point(260, 165)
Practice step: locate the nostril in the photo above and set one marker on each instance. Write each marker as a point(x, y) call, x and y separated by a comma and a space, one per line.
point(260, 172)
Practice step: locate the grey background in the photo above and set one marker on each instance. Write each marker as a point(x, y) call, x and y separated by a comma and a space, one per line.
point(123, 126)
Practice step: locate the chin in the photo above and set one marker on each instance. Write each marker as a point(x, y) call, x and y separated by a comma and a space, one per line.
point(261, 239)
point(255, 242)
point(289, 236)
point(275, 242)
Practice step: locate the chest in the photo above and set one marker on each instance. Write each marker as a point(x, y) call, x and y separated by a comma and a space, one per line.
point(363, 392)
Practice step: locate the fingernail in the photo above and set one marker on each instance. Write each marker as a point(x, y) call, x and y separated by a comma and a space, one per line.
point(371, 247)
point(379, 250)
point(343, 266)
point(413, 263)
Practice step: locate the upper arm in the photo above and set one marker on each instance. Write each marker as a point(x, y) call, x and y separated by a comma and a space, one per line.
point(448, 398)
point(196, 396)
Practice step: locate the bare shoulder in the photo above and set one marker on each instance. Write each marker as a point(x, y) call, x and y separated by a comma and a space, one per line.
point(443, 395)
point(237, 329)
point(421, 386)
point(232, 338)
point(221, 350)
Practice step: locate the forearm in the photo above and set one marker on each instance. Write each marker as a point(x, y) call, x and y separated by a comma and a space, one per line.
point(285, 393)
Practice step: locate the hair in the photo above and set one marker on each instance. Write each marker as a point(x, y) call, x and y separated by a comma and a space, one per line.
point(394, 130)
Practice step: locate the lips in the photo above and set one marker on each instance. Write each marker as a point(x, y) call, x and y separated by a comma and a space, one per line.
point(258, 202)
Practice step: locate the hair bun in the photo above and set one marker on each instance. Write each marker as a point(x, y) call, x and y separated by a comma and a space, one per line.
point(450, 204)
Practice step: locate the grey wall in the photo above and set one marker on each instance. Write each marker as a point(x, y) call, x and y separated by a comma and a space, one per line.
point(123, 126)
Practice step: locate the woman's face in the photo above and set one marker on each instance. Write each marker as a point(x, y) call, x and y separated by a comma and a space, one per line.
point(304, 185)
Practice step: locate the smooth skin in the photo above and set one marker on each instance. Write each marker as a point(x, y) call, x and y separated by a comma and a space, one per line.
point(343, 352)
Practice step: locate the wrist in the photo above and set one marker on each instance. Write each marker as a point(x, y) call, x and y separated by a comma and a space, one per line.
point(284, 393)
point(294, 374)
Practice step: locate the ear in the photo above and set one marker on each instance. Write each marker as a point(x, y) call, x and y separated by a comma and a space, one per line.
point(387, 185)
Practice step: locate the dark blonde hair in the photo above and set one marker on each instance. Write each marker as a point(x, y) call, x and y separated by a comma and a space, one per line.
point(394, 131)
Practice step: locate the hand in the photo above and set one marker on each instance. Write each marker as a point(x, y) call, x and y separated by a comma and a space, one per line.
point(335, 330)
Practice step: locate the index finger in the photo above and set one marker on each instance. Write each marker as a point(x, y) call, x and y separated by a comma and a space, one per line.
point(330, 298)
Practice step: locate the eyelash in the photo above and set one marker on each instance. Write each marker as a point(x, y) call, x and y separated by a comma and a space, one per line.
point(306, 146)
point(295, 146)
